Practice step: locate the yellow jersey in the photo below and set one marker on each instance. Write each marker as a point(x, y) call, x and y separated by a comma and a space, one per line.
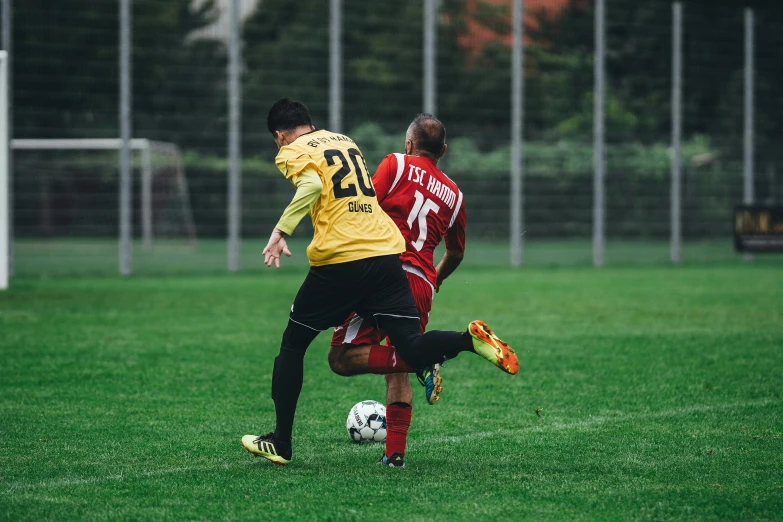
point(348, 222)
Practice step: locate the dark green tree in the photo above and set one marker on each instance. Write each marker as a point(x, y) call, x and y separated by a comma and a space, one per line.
point(66, 70)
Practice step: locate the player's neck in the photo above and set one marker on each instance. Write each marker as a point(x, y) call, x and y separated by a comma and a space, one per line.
point(295, 133)
point(424, 154)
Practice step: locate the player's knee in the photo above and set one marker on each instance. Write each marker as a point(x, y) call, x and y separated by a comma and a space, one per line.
point(296, 338)
point(336, 361)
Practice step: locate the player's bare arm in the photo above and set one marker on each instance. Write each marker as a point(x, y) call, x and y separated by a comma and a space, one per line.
point(451, 260)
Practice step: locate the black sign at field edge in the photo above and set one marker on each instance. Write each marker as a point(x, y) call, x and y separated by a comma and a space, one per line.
point(758, 228)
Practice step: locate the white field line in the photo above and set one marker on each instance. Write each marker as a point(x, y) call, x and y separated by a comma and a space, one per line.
point(592, 422)
point(20, 486)
point(553, 426)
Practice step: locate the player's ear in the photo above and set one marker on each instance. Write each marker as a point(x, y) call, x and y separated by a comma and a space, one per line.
point(278, 137)
point(408, 147)
point(443, 151)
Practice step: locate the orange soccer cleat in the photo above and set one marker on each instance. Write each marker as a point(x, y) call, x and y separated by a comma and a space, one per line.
point(492, 348)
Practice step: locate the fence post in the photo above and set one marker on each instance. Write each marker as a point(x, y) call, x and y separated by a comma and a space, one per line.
point(7, 28)
point(517, 86)
point(676, 159)
point(430, 53)
point(598, 134)
point(5, 252)
point(749, 145)
point(335, 66)
point(126, 247)
point(146, 195)
point(234, 154)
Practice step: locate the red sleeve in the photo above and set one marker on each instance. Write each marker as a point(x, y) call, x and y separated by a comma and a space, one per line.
point(384, 177)
point(455, 237)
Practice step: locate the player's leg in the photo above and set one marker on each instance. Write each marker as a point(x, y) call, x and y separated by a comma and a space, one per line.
point(287, 377)
point(399, 402)
point(395, 312)
point(348, 360)
point(314, 309)
point(423, 293)
point(356, 345)
point(355, 349)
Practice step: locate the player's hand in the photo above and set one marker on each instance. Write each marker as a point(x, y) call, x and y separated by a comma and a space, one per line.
point(274, 248)
point(438, 282)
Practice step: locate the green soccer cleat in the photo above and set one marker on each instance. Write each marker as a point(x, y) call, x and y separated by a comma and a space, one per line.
point(430, 378)
point(492, 348)
point(269, 448)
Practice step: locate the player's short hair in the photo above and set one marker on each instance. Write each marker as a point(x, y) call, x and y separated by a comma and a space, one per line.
point(286, 115)
point(427, 133)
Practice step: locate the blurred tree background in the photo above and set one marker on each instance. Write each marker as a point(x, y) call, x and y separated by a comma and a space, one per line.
point(179, 80)
point(66, 86)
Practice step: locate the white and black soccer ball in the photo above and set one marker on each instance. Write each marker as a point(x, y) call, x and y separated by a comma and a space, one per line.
point(367, 422)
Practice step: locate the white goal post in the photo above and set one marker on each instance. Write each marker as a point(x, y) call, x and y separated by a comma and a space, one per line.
point(147, 148)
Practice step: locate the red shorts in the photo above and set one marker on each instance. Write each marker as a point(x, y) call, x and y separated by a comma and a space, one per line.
point(358, 331)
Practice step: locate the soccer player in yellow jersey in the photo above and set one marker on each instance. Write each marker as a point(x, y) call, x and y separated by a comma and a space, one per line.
point(355, 267)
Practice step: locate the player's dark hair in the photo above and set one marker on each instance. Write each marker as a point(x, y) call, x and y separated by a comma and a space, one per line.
point(286, 115)
point(428, 133)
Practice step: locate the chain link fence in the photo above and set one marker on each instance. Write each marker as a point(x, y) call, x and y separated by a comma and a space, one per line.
point(65, 86)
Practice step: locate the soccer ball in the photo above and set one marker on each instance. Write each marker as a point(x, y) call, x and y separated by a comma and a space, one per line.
point(367, 422)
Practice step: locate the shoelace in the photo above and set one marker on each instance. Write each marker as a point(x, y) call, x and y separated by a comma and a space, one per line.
point(264, 438)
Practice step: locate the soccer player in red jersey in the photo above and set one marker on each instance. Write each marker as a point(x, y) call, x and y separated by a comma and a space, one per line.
point(354, 267)
point(427, 207)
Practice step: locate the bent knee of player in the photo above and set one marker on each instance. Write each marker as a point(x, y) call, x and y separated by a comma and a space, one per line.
point(337, 361)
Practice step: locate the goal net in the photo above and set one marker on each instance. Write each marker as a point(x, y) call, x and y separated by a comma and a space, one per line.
point(70, 188)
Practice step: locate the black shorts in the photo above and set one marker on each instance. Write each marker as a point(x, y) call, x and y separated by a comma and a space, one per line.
point(370, 287)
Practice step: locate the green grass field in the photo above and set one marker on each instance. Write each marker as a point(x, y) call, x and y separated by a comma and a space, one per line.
point(645, 393)
point(98, 257)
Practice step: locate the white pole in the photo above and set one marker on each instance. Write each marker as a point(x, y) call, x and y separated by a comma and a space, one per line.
point(517, 86)
point(5, 256)
point(335, 66)
point(234, 154)
point(748, 147)
point(598, 136)
point(676, 204)
point(146, 196)
point(430, 52)
point(7, 46)
point(126, 247)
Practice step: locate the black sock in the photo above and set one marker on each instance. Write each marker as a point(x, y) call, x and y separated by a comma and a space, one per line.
point(450, 343)
point(286, 386)
point(418, 350)
point(287, 377)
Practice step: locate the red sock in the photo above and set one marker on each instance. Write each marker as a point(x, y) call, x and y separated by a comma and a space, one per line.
point(398, 420)
point(384, 360)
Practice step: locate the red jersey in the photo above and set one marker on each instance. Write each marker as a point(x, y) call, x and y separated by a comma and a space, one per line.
point(426, 206)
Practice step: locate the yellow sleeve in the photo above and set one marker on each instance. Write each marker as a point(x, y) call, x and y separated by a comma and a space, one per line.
point(308, 188)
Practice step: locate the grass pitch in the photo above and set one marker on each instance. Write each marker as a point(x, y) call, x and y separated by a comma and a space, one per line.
point(644, 393)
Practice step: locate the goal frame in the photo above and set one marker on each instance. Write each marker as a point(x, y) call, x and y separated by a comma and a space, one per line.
point(146, 148)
